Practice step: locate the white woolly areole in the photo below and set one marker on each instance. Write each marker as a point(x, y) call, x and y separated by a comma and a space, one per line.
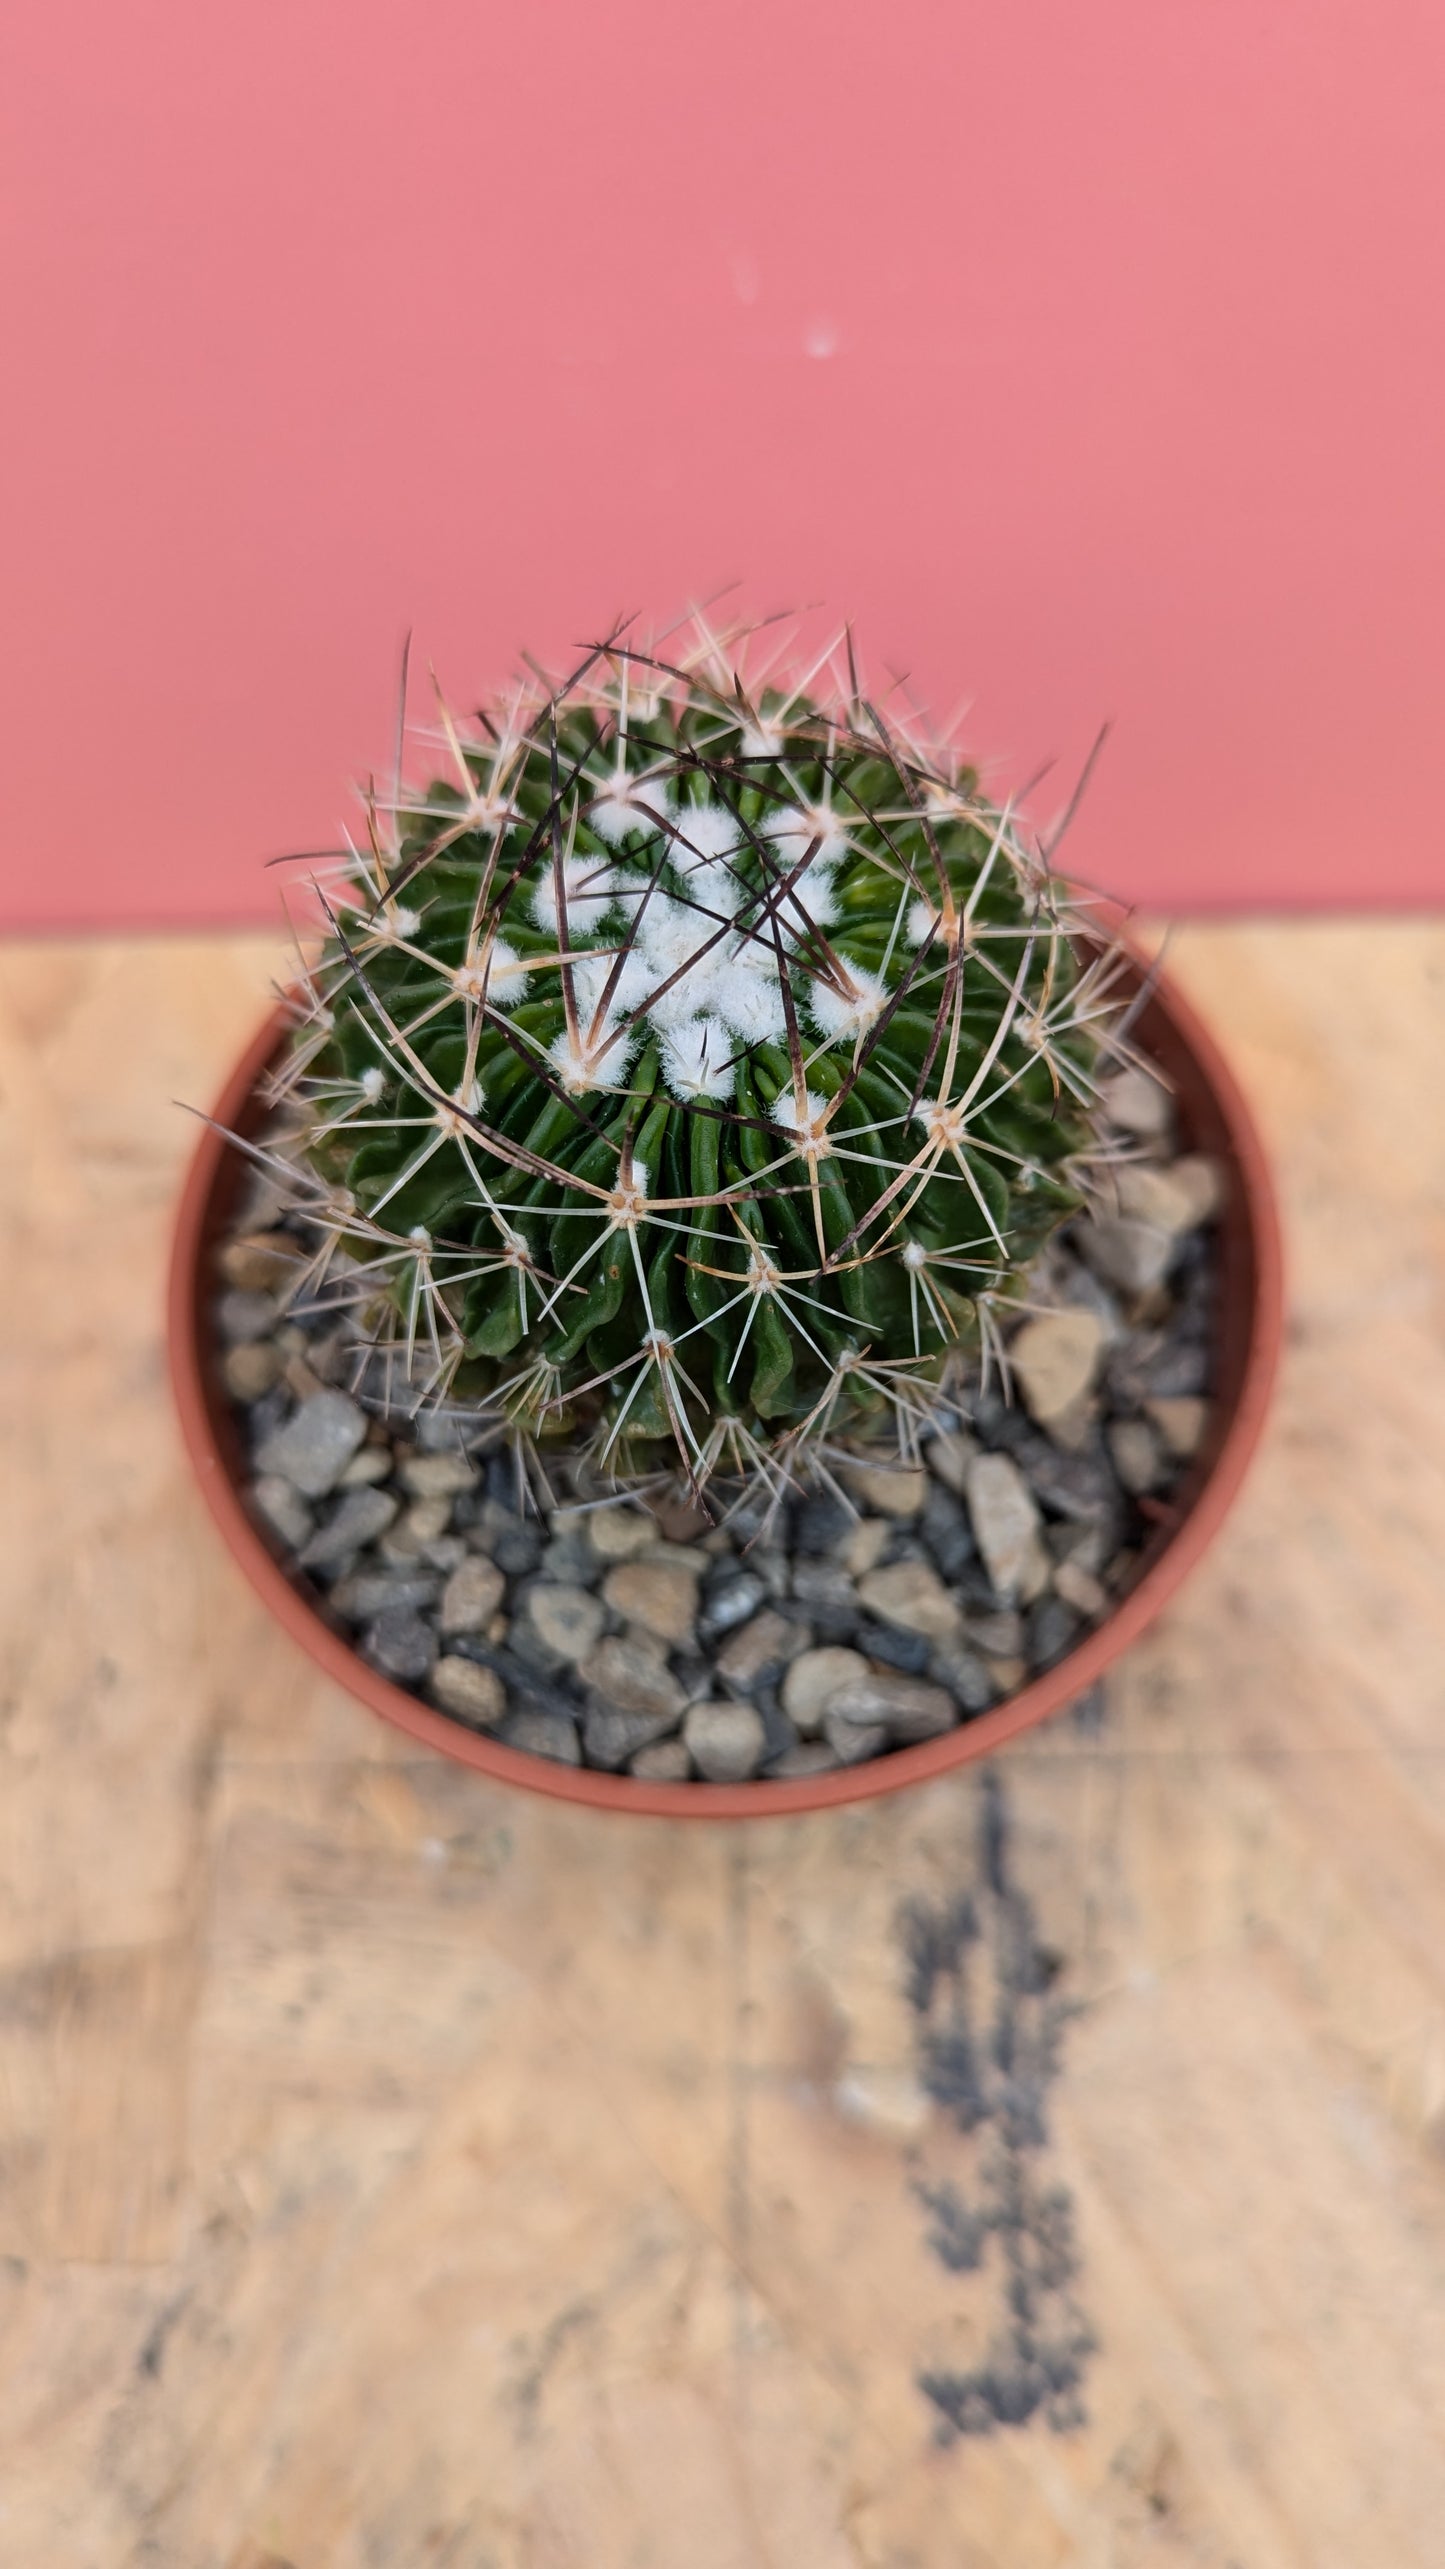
point(794, 830)
point(586, 1064)
point(509, 976)
point(629, 803)
point(500, 976)
point(724, 995)
point(390, 923)
point(809, 1129)
point(669, 938)
point(746, 992)
point(736, 979)
point(592, 890)
point(697, 1059)
point(669, 934)
point(705, 850)
point(591, 974)
point(706, 830)
point(451, 1115)
point(945, 1124)
point(920, 919)
point(850, 1015)
point(816, 893)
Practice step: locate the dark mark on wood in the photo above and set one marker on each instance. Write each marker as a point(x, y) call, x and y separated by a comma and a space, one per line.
point(980, 1982)
point(152, 2354)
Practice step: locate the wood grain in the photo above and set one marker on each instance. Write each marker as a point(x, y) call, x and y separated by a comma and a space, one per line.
point(398, 2172)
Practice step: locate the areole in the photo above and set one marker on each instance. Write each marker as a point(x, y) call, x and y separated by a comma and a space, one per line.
point(1213, 1118)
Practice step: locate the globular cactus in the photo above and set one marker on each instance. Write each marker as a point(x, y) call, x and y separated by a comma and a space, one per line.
point(692, 1071)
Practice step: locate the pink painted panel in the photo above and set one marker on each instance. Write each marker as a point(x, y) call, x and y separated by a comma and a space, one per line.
point(1091, 358)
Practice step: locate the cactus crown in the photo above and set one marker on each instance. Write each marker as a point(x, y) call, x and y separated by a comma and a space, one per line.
point(690, 1069)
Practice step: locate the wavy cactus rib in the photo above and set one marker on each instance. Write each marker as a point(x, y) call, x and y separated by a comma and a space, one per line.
point(693, 1069)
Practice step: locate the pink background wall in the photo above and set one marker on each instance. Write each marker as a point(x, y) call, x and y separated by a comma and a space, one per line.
point(1092, 357)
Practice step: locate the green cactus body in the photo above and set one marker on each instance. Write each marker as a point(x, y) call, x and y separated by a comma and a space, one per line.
point(692, 1071)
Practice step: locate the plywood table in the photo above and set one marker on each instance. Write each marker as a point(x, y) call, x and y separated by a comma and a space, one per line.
point(396, 2173)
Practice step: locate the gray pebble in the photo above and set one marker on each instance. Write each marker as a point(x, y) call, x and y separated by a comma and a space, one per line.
point(444, 1431)
point(730, 1602)
point(746, 1522)
point(1052, 1628)
point(1077, 1486)
point(544, 1735)
point(1135, 1449)
point(283, 1509)
point(242, 1318)
point(809, 1757)
point(834, 1623)
point(435, 1476)
point(314, 1447)
point(851, 1742)
point(779, 1733)
point(907, 1710)
point(892, 1488)
point(424, 1520)
point(948, 1456)
point(964, 1674)
point(612, 1738)
point(757, 1654)
point(400, 1644)
point(616, 1533)
point(945, 1530)
point(1000, 1634)
point(569, 1561)
point(694, 1673)
point(368, 1465)
point(565, 1621)
point(815, 1679)
point(906, 1650)
point(1178, 1372)
point(633, 1674)
point(824, 1583)
point(661, 1596)
point(330, 1357)
point(909, 1597)
point(1138, 1103)
point(773, 1567)
point(665, 1762)
point(531, 1688)
point(358, 1517)
point(726, 1742)
point(518, 1550)
point(1005, 1519)
point(250, 1372)
point(364, 1594)
point(1134, 1256)
point(471, 1694)
point(472, 1595)
point(822, 1522)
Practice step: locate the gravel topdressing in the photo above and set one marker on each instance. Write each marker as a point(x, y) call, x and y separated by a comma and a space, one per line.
point(846, 1622)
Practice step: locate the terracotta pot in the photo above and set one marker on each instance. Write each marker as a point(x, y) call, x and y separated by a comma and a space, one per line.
point(1212, 1117)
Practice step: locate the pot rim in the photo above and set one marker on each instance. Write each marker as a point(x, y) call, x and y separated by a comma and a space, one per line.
point(1251, 1226)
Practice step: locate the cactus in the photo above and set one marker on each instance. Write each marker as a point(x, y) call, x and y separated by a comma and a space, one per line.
point(692, 1070)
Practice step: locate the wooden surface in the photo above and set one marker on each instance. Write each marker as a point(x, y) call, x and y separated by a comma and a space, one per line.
point(398, 2171)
